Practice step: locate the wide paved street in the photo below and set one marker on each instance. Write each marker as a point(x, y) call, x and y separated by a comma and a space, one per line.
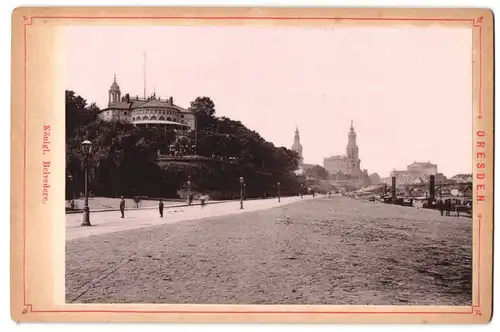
point(317, 251)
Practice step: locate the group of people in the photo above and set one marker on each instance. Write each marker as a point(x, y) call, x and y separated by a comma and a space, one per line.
point(448, 205)
point(203, 199)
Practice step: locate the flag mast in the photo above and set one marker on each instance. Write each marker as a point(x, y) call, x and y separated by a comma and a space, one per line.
point(144, 75)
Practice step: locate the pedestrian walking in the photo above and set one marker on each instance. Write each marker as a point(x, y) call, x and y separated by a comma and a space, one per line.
point(160, 207)
point(202, 200)
point(122, 207)
point(440, 206)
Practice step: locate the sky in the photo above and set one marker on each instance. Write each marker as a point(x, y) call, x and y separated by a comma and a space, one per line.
point(408, 90)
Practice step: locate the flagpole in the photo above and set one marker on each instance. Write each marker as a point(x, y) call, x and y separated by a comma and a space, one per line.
point(144, 75)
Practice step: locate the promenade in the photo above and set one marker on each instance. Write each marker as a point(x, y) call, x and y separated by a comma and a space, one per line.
point(111, 221)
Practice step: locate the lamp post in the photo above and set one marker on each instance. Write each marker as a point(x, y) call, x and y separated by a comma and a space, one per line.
point(244, 191)
point(189, 192)
point(196, 128)
point(301, 191)
point(87, 150)
point(242, 183)
point(72, 190)
point(279, 200)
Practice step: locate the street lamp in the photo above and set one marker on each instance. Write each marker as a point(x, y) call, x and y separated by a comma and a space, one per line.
point(72, 190)
point(87, 150)
point(301, 191)
point(242, 183)
point(244, 191)
point(279, 192)
point(189, 192)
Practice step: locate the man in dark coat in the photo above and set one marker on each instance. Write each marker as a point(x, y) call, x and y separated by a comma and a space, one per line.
point(440, 206)
point(160, 207)
point(447, 207)
point(122, 207)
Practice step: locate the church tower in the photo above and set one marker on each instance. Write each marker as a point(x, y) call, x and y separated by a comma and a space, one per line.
point(352, 148)
point(352, 153)
point(297, 147)
point(114, 93)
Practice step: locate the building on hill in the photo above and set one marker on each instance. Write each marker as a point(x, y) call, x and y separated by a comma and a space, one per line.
point(150, 111)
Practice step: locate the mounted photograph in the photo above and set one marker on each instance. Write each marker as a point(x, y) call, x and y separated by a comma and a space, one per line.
point(265, 165)
point(269, 165)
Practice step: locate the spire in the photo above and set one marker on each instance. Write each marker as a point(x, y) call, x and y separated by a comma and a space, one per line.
point(352, 148)
point(114, 80)
point(297, 147)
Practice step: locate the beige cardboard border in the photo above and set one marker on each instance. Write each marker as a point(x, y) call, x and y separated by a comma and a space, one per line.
point(37, 233)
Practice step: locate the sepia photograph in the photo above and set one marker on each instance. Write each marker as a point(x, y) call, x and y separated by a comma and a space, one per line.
point(268, 165)
point(264, 165)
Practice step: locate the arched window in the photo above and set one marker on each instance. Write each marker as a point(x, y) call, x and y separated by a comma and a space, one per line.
point(162, 118)
point(153, 117)
point(133, 119)
point(145, 118)
point(169, 119)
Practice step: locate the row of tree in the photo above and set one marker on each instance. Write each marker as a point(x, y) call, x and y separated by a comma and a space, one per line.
point(124, 157)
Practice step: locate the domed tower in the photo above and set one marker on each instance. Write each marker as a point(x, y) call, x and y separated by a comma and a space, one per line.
point(296, 146)
point(114, 93)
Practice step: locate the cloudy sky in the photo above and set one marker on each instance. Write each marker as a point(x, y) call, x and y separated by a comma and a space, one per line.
point(408, 90)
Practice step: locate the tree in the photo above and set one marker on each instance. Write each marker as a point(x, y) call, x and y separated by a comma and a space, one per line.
point(204, 109)
point(123, 159)
point(78, 113)
point(317, 172)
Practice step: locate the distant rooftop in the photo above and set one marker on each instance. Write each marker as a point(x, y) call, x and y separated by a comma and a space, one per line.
point(428, 163)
